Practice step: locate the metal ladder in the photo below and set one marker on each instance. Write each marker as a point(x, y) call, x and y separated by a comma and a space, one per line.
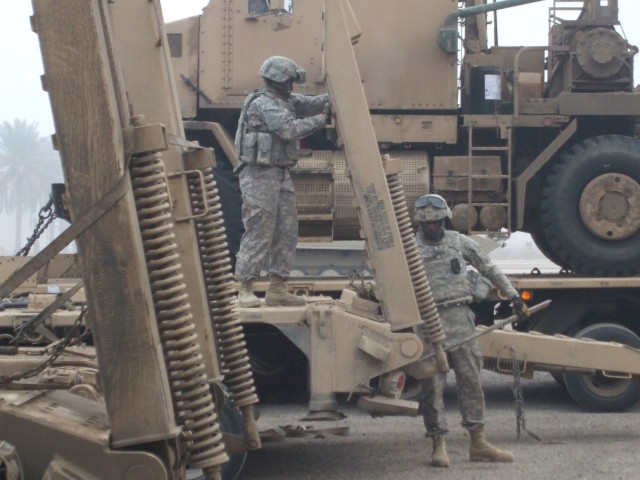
point(484, 149)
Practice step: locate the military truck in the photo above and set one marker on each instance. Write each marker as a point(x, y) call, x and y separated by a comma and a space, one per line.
point(527, 138)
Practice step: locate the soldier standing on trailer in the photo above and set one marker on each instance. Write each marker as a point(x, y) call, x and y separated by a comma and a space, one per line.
point(272, 122)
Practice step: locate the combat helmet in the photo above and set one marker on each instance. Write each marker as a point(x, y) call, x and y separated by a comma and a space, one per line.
point(280, 69)
point(431, 208)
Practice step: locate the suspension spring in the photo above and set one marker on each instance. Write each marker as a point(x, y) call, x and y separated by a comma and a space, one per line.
point(218, 279)
point(432, 327)
point(214, 253)
point(8, 350)
point(192, 400)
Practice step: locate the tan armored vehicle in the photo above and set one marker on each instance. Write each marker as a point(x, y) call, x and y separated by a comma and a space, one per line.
point(532, 138)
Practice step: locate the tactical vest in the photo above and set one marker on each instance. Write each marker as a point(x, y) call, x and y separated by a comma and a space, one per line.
point(446, 269)
point(264, 147)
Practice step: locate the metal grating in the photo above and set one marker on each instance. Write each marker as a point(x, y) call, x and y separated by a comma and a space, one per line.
point(313, 183)
point(325, 198)
point(415, 180)
point(175, 44)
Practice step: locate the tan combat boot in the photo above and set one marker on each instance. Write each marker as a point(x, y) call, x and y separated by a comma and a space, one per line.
point(481, 450)
point(439, 457)
point(277, 294)
point(246, 297)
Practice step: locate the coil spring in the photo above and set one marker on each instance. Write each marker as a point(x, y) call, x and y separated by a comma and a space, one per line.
point(218, 278)
point(192, 400)
point(8, 350)
point(432, 327)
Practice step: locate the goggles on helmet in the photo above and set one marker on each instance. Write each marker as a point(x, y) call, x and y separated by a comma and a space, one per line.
point(301, 75)
point(433, 200)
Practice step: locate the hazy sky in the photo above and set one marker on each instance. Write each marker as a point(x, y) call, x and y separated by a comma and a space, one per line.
point(21, 95)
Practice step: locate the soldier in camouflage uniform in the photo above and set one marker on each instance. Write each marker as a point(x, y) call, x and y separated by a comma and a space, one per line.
point(272, 122)
point(445, 255)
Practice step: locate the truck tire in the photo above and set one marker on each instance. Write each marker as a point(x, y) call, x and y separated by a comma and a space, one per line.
point(541, 242)
point(231, 422)
point(590, 207)
point(597, 392)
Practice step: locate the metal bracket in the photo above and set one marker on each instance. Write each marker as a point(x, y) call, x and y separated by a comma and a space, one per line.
point(149, 139)
point(205, 201)
point(537, 164)
point(392, 166)
point(196, 159)
point(199, 158)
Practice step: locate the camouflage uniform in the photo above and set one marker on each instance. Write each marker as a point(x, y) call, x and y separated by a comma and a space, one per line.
point(267, 142)
point(445, 261)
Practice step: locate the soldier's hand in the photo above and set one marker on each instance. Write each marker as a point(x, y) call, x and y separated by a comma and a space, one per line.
point(520, 308)
point(327, 111)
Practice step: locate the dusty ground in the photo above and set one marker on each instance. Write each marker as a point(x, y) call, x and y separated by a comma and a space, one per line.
point(578, 445)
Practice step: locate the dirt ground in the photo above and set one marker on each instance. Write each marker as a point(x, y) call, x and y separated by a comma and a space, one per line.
point(575, 444)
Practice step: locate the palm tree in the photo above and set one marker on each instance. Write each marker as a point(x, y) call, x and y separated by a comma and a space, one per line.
point(28, 167)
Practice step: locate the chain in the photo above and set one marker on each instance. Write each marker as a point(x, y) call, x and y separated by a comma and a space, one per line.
point(356, 279)
point(362, 288)
point(46, 215)
point(55, 349)
point(521, 421)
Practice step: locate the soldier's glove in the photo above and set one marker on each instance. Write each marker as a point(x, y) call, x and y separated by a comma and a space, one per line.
point(327, 111)
point(520, 308)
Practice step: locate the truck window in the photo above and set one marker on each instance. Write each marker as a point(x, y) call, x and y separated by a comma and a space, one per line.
point(264, 7)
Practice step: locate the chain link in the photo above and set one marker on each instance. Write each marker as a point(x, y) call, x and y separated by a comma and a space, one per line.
point(362, 288)
point(73, 337)
point(46, 215)
point(356, 279)
point(521, 421)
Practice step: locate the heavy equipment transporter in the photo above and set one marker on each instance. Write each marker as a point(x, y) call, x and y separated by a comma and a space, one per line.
point(166, 385)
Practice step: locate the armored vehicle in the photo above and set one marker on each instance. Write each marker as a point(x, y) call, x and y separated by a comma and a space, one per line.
point(533, 138)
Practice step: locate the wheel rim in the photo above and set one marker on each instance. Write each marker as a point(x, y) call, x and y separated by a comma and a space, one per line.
point(598, 390)
point(604, 386)
point(610, 206)
point(589, 207)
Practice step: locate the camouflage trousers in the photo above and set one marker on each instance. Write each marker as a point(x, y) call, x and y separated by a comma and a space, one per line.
point(466, 362)
point(270, 221)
